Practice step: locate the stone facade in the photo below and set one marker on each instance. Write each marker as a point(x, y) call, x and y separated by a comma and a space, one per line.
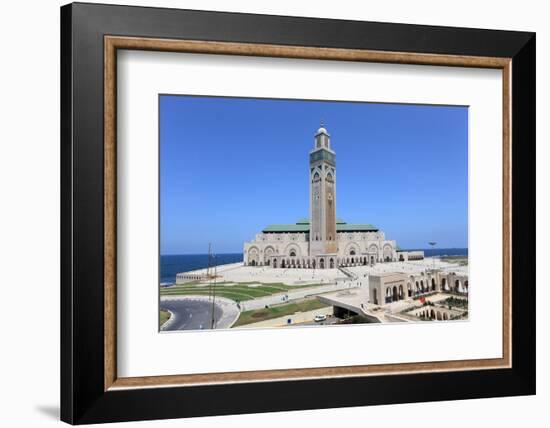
point(325, 242)
point(391, 287)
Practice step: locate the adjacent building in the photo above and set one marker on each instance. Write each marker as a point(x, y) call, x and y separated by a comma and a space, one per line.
point(394, 286)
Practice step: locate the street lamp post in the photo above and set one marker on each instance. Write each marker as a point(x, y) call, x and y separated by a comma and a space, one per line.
point(432, 243)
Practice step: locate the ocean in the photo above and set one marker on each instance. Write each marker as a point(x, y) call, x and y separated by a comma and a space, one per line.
point(173, 264)
point(170, 265)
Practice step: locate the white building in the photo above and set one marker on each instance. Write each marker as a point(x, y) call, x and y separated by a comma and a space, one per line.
point(325, 241)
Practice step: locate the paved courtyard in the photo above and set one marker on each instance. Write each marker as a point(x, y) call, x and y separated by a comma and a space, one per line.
point(409, 267)
point(236, 272)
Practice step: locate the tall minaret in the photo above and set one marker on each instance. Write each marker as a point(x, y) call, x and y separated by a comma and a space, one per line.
point(322, 194)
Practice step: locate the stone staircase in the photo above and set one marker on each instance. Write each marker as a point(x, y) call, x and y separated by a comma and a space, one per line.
point(348, 273)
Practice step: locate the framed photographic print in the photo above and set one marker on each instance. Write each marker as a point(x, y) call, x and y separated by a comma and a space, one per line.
point(266, 206)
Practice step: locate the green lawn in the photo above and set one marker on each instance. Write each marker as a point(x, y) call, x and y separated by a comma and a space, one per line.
point(238, 292)
point(459, 260)
point(164, 316)
point(277, 311)
point(455, 302)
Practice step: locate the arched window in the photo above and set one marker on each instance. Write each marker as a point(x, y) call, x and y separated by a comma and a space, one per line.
point(352, 252)
point(292, 253)
point(316, 177)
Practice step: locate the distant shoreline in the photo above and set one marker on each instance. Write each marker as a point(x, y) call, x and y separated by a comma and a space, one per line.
point(464, 251)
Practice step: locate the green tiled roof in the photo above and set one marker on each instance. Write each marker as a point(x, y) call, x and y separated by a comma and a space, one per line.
point(303, 226)
point(346, 227)
point(287, 228)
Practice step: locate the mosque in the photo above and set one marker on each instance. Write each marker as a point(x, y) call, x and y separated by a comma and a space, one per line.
point(323, 241)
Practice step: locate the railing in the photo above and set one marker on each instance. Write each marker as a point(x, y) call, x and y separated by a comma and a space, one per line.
point(347, 272)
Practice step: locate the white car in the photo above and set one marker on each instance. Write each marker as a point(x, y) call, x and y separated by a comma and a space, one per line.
point(319, 318)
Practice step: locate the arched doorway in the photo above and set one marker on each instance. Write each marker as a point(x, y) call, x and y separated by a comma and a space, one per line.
point(275, 263)
point(371, 260)
point(457, 286)
point(388, 295)
point(322, 264)
point(387, 253)
point(283, 263)
point(443, 284)
point(401, 297)
point(253, 256)
point(409, 289)
point(433, 284)
point(401, 258)
point(395, 296)
point(332, 263)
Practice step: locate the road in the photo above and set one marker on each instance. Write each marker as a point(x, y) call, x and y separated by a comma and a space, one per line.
point(331, 320)
point(190, 314)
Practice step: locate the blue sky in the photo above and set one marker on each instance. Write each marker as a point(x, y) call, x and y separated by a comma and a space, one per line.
point(231, 166)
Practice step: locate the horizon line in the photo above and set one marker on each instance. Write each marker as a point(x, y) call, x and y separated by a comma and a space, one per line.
point(240, 252)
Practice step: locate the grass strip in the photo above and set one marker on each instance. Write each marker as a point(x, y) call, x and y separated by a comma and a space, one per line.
point(164, 316)
point(276, 311)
